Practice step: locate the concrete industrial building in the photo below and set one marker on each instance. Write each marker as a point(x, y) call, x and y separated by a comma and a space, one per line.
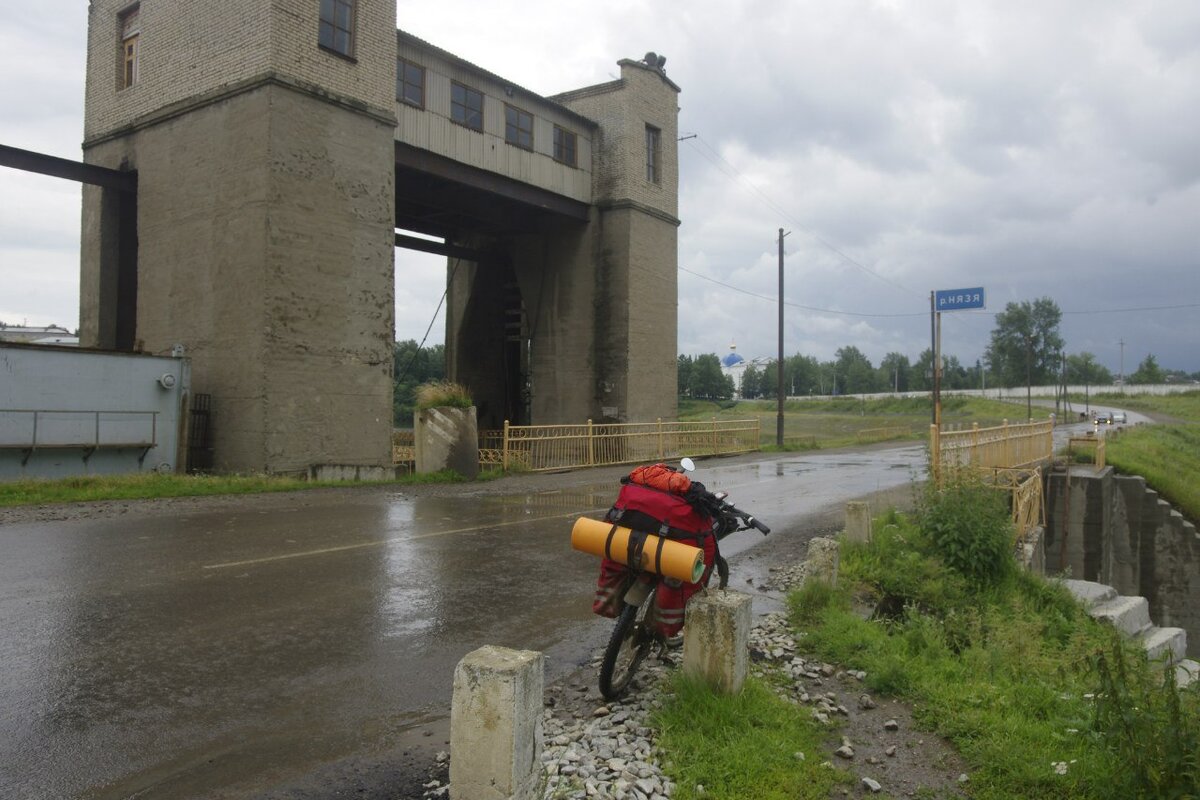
point(278, 147)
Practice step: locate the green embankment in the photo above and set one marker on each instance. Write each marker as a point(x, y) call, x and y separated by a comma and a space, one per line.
point(1167, 455)
point(1039, 700)
point(145, 486)
point(812, 424)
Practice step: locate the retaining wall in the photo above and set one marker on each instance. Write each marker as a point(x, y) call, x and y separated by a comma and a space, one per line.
point(1114, 530)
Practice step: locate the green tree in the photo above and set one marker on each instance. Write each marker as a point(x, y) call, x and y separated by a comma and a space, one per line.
point(954, 374)
point(1148, 371)
point(708, 381)
point(412, 366)
point(1082, 368)
point(803, 374)
point(856, 370)
point(752, 382)
point(920, 376)
point(893, 372)
point(684, 375)
point(1025, 343)
point(769, 385)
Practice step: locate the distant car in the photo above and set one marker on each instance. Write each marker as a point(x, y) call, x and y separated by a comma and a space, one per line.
point(1118, 416)
point(1104, 418)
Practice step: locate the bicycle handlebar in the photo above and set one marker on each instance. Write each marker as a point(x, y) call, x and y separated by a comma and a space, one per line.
point(720, 507)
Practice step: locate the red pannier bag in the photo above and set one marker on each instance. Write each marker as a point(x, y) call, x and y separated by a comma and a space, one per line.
point(660, 512)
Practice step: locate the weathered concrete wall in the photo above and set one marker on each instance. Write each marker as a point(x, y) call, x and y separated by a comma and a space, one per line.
point(1113, 530)
point(287, 314)
point(191, 51)
point(265, 220)
point(636, 245)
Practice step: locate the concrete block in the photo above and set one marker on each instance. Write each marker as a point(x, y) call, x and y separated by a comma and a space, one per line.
point(858, 521)
point(446, 438)
point(496, 725)
point(1031, 553)
point(1186, 672)
point(351, 472)
point(822, 560)
point(1090, 593)
point(1168, 642)
point(716, 638)
point(1129, 615)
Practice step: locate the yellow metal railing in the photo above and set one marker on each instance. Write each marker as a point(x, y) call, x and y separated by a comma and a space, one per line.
point(1001, 447)
point(1008, 456)
point(554, 447)
point(557, 447)
point(1093, 443)
point(1028, 500)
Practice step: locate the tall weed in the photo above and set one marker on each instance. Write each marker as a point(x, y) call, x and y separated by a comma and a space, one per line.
point(969, 526)
point(1149, 725)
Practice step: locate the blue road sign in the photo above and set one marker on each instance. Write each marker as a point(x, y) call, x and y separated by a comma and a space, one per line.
point(958, 299)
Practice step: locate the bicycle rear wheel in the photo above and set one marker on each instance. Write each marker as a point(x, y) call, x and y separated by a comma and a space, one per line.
point(630, 642)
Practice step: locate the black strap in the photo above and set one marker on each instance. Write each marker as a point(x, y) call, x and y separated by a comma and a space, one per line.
point(608, 542)
point(662, 540)
point(637, 542)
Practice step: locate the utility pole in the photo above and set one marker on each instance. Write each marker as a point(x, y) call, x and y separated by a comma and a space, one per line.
point(1122, 373)
point(1028, 378)
point(779, 363)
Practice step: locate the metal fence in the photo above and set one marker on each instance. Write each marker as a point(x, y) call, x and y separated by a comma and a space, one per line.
point(1001, 447)
point(543, 448)
point(1028, 500)
point(1010, 457)
point(1093, 443)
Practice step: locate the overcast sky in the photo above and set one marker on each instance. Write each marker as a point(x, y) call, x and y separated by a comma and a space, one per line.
point(1047, 149)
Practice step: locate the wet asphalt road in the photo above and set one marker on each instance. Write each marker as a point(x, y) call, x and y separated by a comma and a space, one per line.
point(240, 653)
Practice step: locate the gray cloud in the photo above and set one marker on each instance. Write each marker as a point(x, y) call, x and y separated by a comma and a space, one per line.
point(1039, 149)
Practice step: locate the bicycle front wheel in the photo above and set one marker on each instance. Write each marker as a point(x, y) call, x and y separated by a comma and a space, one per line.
point(630, 642)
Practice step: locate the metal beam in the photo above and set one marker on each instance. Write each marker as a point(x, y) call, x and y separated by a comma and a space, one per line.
point(29, 161)
point(448, 169)
point(438, 248)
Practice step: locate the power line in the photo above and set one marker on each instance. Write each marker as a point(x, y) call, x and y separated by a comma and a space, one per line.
point(956, 315)
point(1141, 308)
point(739, 178)
point(795, 305)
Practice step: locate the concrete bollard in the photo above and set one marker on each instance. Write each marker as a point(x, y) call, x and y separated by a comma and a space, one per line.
point(496, 725)
point(822, 560)
point(858, 522)
point(716, 639)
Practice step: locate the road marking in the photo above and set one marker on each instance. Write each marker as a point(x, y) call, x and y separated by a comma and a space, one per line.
point(381, 542)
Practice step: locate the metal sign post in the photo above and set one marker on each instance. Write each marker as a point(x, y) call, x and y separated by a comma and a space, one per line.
point(939, 301)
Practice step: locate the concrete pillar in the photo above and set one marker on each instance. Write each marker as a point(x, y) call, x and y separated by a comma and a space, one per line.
point(716, 639)
point(858, 522)
point(822, 561)
point(446, 438)
point(496, 725)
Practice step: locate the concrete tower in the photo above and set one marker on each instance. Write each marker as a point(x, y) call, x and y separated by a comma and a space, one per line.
point(262, 135)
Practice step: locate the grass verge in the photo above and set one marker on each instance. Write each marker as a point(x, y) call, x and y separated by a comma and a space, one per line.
point(1167, 456)
point(741, 747)
point(841, 421)
point(1007, 667)
point(151, 485)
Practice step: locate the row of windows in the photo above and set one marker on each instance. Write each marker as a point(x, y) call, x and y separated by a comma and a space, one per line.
point(336, 33)
point(466, 108)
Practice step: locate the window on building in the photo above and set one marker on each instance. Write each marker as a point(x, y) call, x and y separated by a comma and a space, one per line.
point(336, 28)
point(565, 146)
point(130, 26)
point(410, 83)
point(653, 154)
point(466, 106)
point(518, 127)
